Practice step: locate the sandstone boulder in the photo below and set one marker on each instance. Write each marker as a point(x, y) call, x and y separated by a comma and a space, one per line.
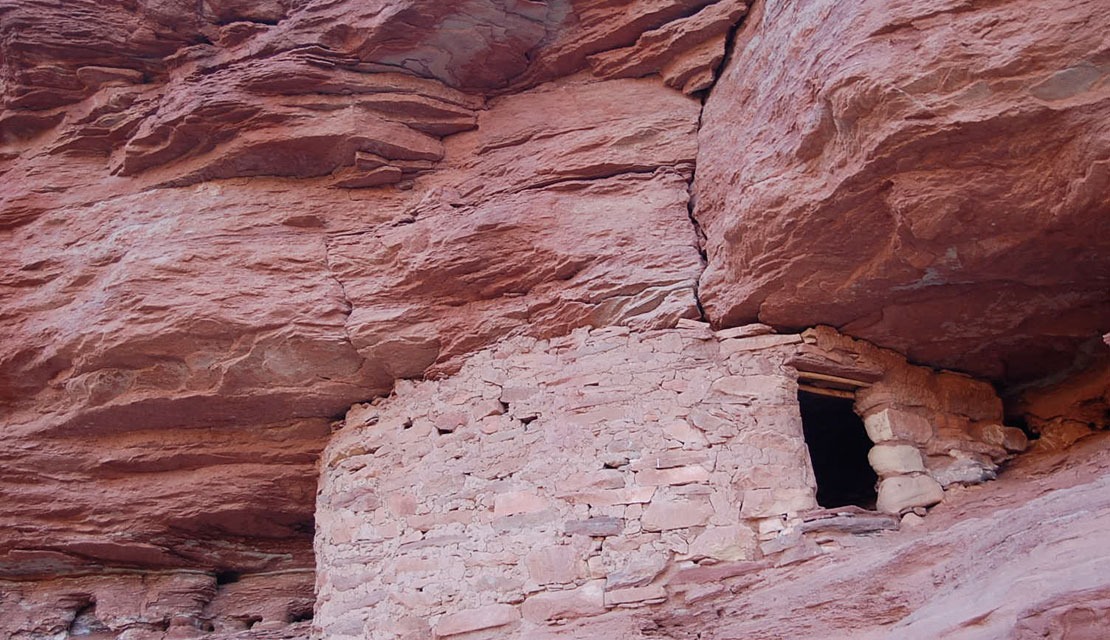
point(724, 544)
point(900, 493)
point(1009, 438)
point(961, 469)
point(889, 460)
point(893, 424)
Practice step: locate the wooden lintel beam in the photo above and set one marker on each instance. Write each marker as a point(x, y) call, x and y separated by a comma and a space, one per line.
point(809, 375)
point(836, 393)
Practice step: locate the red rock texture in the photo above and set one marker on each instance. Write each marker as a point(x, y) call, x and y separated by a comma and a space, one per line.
point(928, 176)
point(225, 88)
point(685, 52)
point(225, 222)
point(160, 604)
point(1066, 408)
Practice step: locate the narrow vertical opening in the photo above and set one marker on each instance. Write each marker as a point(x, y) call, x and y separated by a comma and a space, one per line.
point(838, 446)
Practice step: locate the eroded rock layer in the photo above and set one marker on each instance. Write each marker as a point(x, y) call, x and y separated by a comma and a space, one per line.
point(363, 92)
point(233, 234)
point(1069, 406)
point(225, 222)
point(929, 176)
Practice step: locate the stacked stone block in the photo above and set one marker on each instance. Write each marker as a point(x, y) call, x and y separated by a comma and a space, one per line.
point(552, 480)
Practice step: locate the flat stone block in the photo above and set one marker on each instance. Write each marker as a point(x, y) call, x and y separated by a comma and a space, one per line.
point(598, 527)
point(747, 389)
point(635, 594)
point(724, 544)
point(514, 502)
point(549, 606)
point(554, 565)
point(755, 343)
point(892, 424)
point(763, 503)
point(494, 615)
point(664, 515)
point(756, 329)
point(672, 476)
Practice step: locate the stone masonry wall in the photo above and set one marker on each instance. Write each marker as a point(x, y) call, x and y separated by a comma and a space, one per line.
point(931, 429)
point(560, 479)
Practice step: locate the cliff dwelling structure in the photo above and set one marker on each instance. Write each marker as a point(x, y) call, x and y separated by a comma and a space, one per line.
point(554, 319)
point(566, 478)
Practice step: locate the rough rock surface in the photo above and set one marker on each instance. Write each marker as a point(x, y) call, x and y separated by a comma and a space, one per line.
point(274, 606)
point(1066, 408)
point(991, 562)
point(225, 222)
point(930, 176)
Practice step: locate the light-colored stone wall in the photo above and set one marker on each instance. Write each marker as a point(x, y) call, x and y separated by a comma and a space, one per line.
point(608, 469)
point(553, 480)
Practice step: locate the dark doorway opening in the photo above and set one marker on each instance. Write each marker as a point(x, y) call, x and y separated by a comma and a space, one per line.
point(838, 446)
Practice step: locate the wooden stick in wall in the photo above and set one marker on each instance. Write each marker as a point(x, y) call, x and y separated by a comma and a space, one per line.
point(809, 375)
point(836, 393)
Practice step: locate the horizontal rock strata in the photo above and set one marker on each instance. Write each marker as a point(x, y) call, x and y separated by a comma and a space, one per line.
point(226, 222)
point(419, 307)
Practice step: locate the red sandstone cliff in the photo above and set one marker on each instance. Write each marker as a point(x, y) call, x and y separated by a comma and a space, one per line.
point(224, 223)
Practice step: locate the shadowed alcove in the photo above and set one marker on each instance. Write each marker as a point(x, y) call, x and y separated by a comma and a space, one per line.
point(838, 446)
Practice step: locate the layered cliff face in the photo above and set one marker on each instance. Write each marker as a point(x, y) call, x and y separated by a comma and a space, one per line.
point(225, 223)
point(928, 175)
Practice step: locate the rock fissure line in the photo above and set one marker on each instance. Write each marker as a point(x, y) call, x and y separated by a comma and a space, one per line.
point(691, 202)
point(342, 288)
point(699, 239)
point(605, 175)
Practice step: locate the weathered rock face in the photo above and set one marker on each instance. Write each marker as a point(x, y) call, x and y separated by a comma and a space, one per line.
point(928, 176)
point(988, 563)
point(224, 223)
point(222, 89)
point(1067, 408)
point(160, 605)
point(534, 224)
